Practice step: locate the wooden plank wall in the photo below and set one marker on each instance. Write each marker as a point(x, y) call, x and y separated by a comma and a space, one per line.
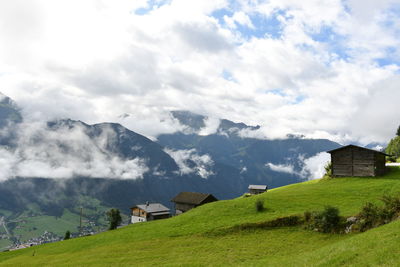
point(184, 206)
point(355, 161)
point(342, 163)
point(363, 162)
point(160, 217)
point(138, 212)
point(380, 162)
point(255, 191)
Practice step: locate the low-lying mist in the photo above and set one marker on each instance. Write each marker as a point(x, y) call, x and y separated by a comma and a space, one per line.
point(65, 149)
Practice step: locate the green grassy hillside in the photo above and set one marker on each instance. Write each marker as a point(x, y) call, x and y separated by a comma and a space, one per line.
point(199, 237)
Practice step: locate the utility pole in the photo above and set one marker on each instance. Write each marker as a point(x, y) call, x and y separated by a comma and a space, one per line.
point(80, 222)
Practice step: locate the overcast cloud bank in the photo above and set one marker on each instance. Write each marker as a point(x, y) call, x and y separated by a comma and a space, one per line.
point(321, 68)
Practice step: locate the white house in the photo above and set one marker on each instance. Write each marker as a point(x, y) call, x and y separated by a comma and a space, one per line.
point(149, 212)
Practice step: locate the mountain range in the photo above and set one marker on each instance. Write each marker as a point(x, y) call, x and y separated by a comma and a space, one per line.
point(53, 168)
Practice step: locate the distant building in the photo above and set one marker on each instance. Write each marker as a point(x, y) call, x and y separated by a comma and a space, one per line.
point(149, 212)
point(185, 201)
point(257, 189)
point(358, 161)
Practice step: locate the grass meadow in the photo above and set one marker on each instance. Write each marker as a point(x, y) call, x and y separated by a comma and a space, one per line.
point(192, 239)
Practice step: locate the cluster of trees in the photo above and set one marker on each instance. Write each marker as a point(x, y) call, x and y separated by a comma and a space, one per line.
point(393, 147)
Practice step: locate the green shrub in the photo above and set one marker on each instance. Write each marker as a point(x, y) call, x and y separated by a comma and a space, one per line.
point(372, 216)
point(307, 216)
point(392, 203)
point(259, 205)
point(328, 169)
point(326, 221)
point(369, 217)
point(391, 207)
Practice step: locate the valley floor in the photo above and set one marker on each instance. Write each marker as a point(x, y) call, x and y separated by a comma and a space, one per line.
point(199, 237)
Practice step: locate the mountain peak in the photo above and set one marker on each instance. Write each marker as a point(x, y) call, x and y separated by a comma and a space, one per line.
point(197, 122)
point(5, 100)
point(190, 119)
point(9, 111)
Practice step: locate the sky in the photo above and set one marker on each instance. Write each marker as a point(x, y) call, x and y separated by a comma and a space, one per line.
point(320, 68)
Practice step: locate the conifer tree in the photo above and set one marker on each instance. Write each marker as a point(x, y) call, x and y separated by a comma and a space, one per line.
point(114, 217)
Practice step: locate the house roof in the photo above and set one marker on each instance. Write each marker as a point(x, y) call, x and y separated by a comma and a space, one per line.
point(349, 146)
point(258, 187)
point(191, 198)
point(153, 208)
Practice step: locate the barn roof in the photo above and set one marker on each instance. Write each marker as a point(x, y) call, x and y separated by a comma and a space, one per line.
point(155, 208)
point(192, 198)
point(258, 187)
point(349, 146)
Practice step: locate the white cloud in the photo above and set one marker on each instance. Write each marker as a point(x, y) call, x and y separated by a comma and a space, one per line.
point(211, 126)
point(314, 167)
point(240, 18)
point(249, 133)
point(286, 168)
point(189, 162)
point(66, 153)
point(311, 168)
point(328, 71)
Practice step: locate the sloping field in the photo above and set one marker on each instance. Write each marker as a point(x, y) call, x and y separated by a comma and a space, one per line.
point(199, 237)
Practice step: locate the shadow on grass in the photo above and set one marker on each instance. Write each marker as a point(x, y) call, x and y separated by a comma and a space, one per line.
point(288, 221)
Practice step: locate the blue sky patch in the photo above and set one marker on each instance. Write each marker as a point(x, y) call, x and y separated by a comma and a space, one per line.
point(151, 4)
point(299, 99)
point(228, 76)
point(263, 26)
point(391, 58)
point(335, 42)
point(277, 91)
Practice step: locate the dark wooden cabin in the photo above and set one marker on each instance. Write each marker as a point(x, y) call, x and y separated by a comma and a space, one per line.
point(257, 189)
point(358, 161)
point(185, 201)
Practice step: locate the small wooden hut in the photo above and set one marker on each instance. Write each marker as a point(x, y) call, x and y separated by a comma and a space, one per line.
point(185, 201)
point(358, 161)
point(257, 189)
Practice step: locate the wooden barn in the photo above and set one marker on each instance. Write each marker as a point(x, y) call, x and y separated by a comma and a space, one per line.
point(149, 212)
point(185, 201)
point(358, 161)
point(257, 189)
